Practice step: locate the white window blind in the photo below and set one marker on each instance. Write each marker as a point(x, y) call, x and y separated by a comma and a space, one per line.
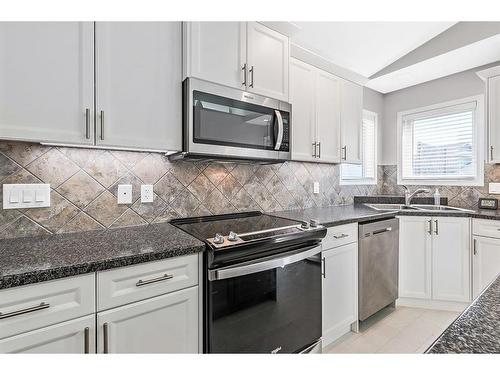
point(367, 169)
point(440, 144)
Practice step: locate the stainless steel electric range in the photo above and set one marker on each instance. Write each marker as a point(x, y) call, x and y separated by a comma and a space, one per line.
point(262, 282)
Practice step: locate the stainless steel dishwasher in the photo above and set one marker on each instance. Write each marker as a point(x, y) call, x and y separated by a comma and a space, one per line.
point(378, 265)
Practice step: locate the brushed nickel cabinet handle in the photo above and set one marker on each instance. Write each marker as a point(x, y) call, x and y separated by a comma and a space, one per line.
point(244, 69)
point(344, 153)
point(437, 227)
point(251, 71)
point(314, 150)
point(343, 235)
point(430, 227)
point(41, 306)
point(491, 153)
point(105, 334)
point(155, 280)
point(87, 123)
point(102, 125)
point(319, 150)
point(86, 340)
point(323, 261)
point(474, 246)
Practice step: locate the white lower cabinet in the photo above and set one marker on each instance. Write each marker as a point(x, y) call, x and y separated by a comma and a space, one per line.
point(486, 253)
point(485, 262)
point(164, 324)
point(340, 288)
point(434, 261)
point(75, 336)
point(415, 252)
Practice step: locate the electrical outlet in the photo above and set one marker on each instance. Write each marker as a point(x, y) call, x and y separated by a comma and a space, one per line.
point(147, 195)
point(124, 194)
point(316, 187)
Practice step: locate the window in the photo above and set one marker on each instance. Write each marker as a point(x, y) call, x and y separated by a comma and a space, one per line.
point(366, 172)
point(442, 144)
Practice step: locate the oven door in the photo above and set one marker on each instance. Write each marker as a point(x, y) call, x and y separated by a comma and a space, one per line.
point(227, 122)
point(268, 306)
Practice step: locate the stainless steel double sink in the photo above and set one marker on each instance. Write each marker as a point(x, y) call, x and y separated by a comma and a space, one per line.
point(414, 207)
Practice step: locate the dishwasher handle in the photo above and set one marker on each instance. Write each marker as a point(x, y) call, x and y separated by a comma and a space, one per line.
point(378, 231)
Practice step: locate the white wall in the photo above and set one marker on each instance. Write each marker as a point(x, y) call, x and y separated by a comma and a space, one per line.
point(374, 101)
point(452, 87)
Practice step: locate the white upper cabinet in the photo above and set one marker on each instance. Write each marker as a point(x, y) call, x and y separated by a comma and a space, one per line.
point(315, 99)
point(494, 118)
point(351, 98)
point(268, 55)
point(327, 117)
point(46, 82)
point(243, 55)
point(138, 81)
point(302, 93)
point(451, 259)
point(216, 52)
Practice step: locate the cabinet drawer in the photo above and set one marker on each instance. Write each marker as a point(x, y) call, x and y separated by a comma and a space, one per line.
point(130, 284)
point(486, 228)
point(35, 306)
point(340, 235)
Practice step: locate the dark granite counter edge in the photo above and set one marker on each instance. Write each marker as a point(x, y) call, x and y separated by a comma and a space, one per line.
point(37, 276)
point(464, 314)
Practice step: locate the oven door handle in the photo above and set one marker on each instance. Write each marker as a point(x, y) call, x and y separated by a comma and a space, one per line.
point(279, 138)
point(259, 266)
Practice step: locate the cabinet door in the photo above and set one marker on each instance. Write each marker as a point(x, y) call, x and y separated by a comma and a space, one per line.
point(46, 81)
point(74, 336)
point(351, 113)
point(340, 291)
point(415, 254)
point(139, 91)
point(302, 94)
point(268, 58)
point(216, 52)
point(486, 262)
point(165, 324)
point(328, 117)
point(494, 119)
point(451, 259)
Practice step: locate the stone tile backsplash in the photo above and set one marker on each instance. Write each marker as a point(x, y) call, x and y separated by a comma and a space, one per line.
point(458, 196)
point(84, 184)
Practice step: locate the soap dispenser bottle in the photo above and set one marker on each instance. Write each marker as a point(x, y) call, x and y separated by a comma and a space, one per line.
point(437, 198)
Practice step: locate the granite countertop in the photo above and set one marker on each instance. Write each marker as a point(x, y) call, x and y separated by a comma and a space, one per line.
point(337, 215)
point(477, 330)
point(34, 259)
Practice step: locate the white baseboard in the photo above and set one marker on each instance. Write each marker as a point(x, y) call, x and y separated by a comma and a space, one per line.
point(432, 304)
point(336, 333)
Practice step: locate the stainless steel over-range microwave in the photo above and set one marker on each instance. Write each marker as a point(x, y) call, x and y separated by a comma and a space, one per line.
point(220, 121)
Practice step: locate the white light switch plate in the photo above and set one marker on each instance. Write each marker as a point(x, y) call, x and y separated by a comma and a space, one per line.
point(147, 194)
point(494, 187)
point(316, 188)
point(26, 196)
point(124, 194)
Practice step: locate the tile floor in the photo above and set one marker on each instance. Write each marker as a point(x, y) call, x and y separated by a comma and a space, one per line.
point(400, 330)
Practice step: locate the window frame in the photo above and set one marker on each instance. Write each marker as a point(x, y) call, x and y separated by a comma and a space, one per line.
point(372, 180)
point(478, 142)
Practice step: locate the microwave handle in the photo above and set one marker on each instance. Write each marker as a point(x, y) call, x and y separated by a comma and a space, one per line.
point(279, 139)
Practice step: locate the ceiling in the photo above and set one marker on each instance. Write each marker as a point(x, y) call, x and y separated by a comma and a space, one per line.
point(364, 47)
